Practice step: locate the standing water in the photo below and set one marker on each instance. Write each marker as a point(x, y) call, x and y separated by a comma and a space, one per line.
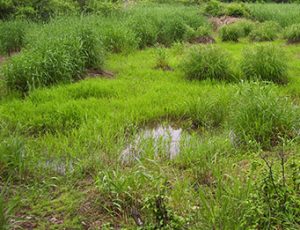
point(165, 139)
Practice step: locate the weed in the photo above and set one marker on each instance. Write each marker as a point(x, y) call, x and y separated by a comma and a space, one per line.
point(275, 202)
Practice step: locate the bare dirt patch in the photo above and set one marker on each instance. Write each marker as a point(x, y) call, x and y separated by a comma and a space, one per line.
point(221, 21)
point(94, 73)
point(2, 59)
point(203, 40)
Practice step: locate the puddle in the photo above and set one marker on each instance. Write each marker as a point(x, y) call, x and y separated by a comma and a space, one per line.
point(165, 140)
point(61, 167)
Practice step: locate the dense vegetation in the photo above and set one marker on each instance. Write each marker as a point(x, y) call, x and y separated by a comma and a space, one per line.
point(113, 115)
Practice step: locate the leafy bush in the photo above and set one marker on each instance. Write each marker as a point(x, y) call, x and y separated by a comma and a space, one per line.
point(266, 31)
point(292, 33)
point(265, 62)
point(230, 32)
point(263, 119)
point(237, 10)
point(207, 62)
point(12, 36)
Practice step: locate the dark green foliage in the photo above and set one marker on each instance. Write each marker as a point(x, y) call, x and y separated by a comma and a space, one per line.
point(292, 33)
point(36, 9)
point(266, 31)
point(103, 7)
point(207, 62)
point(12, 35)
point(230, 32)
point(266, 63)
point(263, 119)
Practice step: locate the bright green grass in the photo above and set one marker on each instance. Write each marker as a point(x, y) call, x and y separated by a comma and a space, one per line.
point(87, 124)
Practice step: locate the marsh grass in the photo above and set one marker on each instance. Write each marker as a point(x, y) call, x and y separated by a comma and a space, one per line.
point(284, 14)
point(266, 31)
point(207, 62)
point(12, 36)
point(262, 119)
point(266, 63)
point(292, 33)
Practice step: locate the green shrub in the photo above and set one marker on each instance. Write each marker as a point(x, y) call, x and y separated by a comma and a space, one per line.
point(207, 62)
point(266, 63)
point(266, 31)
point(261, 118)
point(12, 36)
point(292, 33)
point(237, 10)
point(230, 32)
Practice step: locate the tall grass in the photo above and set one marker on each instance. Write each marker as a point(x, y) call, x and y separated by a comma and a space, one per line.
point(284, 14)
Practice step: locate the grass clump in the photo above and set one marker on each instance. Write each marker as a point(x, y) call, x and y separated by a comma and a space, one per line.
point(246, 26)
point(266, 63)
point(262, 118)
point(266, 31)
point(12, 35)
point(192, 35)
point(230, 32)
point(207, 62)
point(292, 33)
point(58, 59)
